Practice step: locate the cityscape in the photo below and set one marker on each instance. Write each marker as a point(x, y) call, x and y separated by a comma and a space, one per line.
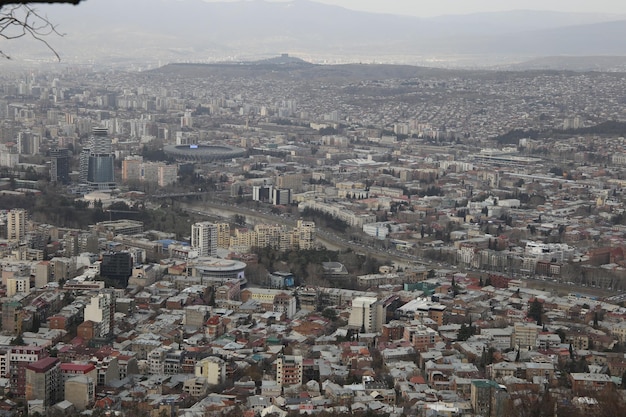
point(283, 236)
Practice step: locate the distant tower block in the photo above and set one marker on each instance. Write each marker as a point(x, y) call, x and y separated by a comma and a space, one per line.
point(97, 161)
point(186, 120)
point(60, 165)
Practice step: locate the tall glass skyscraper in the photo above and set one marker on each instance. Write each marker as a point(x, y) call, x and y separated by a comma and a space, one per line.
point(60, 165)
point(97, 161)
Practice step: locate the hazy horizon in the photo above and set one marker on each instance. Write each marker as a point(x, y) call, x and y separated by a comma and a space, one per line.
point(454, 7)
point(326, 31)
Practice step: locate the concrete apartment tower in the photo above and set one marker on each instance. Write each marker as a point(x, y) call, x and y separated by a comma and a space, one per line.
point(204, 238)
point(16, 224)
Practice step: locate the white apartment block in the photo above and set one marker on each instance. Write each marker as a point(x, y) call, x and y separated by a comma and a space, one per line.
point(204, 238)
point(366, 313)
point(100, 310)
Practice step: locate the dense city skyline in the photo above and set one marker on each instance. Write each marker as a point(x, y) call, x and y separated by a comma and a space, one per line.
point(275, 209)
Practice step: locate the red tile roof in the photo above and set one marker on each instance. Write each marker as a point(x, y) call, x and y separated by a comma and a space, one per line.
point(43, 365)
point(77, 367)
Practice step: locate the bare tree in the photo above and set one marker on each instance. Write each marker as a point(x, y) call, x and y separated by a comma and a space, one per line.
point(18, 19)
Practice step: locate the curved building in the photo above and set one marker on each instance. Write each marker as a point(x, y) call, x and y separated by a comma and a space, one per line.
point(97, 161)
point(203, 153)
point(216, 269)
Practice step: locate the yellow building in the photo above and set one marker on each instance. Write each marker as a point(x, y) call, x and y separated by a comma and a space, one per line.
point(303, 235)
point(212, 368)
point(223, 235)
point(525, 335)
point(243, 239)
point(16, 224)
point(18, 285)
point(80, 391)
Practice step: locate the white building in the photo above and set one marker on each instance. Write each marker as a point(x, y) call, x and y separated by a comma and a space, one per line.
point(539, 251)
point(186, 120)
point(204, 238)
point(285, 304)
point(379, 230)
point(156, 361)
point(367, 313)
point(9, 158)
point(100, 310)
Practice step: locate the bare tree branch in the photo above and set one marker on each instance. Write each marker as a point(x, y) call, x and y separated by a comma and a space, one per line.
point(3, 2)
point(19, 19)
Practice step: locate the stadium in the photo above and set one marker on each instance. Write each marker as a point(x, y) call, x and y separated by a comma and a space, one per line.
point(203, 153)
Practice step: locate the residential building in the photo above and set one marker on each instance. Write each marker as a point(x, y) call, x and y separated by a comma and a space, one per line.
point(16, 224)
point(43, 381)
point(487, 399)
point(156, 361)
point(525, 335)
point(288, 370)
point(212, 368)
point(223, 235)
point(166, 174)
point(71, 370)
point(204, 238)
point(367, 314)
point(80, 391)
point(19, 358)
point(286, 304)
point(101, 311)
point(12, 316)
point(421, 337)
point(196, 387)
point(43, 274)
point(584, 383)
point(290, 181)
point(131, 168)
point(303, 235)
point(18, 285)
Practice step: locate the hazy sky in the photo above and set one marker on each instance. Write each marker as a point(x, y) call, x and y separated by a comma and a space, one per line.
point(428, 8)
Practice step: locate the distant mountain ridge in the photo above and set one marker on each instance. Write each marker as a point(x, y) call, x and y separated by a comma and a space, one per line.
point(572, 63)
point(194, 30)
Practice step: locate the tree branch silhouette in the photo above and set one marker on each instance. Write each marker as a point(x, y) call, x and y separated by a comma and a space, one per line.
point(19, 19)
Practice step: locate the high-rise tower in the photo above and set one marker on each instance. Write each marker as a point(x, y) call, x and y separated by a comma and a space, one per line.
point(97, 161)
point(16, 224)
point(60, 165)
point(204, 238)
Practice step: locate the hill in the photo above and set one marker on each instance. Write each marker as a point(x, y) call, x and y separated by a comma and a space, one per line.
point(194, 30)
